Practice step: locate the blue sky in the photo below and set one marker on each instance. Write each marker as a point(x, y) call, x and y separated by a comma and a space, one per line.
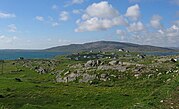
point(37, 24)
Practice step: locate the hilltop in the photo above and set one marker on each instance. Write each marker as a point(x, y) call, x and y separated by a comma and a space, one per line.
point(107, 46)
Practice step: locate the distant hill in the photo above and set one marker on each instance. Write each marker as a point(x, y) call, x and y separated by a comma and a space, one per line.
point(107, 46)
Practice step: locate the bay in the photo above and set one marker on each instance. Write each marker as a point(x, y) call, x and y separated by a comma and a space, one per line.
point(12, 55)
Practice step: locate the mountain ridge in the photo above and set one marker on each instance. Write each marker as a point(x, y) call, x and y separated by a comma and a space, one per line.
point(107, 46)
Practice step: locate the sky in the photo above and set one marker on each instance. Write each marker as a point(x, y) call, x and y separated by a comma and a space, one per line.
point(40, 24)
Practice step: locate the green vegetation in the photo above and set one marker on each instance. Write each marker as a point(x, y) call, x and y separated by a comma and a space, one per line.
point(151, 82)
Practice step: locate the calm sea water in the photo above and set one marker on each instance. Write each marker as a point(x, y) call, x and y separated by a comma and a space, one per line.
point(12, 55)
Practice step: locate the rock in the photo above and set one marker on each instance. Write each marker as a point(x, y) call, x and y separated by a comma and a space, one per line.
point(107, 67)
point(159, 74)
point(103, 77)
point(66, 73)
point(174, 60)
point(92, 63)
point(72, 77)
point(137, 75)
point(41, 70)
point(113, 63)
point(18, 79)
point(113, 76)
point(1, 96)
point(150, 75)
point(59, 79)
point(86, 78)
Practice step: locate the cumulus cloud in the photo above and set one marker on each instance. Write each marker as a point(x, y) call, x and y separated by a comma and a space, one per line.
point(163, 37)
point(136, 27)
point(133, 12)
point(99, 16)
point(64, 16)
point(12, 28)
point(6, 15)
point(39, 18)
point(155, 22)
point(102, 9)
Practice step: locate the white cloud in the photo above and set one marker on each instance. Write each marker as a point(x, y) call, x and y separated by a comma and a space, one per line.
point(77, 1)
point(77, 11)
point(122, 34)
point(6, 39)
point(176, 22)
point(136, 27)
point(54, 7)
point(99, 16)
point(54, 24)
point(163, 37)
point(102, 9)
point(64, 41)
point(133, 12)
point(39, 18)
point(155, 22)
point(12, 28)
point(64, 16)
point(7, 15)
point(134, 0)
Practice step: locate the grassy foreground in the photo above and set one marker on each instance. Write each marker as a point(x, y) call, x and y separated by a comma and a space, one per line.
point(27, 89)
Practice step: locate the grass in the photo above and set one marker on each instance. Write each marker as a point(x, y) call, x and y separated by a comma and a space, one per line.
point(42, 92)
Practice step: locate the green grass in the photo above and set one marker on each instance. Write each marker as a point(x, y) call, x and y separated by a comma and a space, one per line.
point(42, 92)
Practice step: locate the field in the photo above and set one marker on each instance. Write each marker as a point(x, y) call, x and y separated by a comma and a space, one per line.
point(147, 83)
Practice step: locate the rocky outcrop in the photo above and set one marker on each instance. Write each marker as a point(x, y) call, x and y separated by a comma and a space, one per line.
point(41, 70)
point(113, 63)
point(107, 67)
point(75, 77)
point(92, 63)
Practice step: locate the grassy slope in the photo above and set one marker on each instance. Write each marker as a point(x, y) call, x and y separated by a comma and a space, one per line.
point(40, 91)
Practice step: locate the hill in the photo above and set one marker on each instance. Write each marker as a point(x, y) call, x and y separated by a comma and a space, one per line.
point(107, 46)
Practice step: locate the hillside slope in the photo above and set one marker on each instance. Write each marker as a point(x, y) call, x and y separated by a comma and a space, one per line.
point(107, 46)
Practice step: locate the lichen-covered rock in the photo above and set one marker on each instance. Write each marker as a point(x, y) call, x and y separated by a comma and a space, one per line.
point(41, 70)
point(92, 63)
point(113, 63)
point(87, 77)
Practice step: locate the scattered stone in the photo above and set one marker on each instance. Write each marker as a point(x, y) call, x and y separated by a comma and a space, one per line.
point(137, 75)
point(159, 74)
point(174, 60)
point(162, 101)
point(92, 63)
point(41, 70)
point(86, 78)
point(18, 79)
point(1, 96)
point(113, 63)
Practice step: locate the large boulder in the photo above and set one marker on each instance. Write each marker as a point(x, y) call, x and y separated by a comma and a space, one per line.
point(92, 63)
point(41, 70)
point(86, 77)
point(113, 63)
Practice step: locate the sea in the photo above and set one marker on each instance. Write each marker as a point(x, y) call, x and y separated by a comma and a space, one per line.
point(12, 55)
